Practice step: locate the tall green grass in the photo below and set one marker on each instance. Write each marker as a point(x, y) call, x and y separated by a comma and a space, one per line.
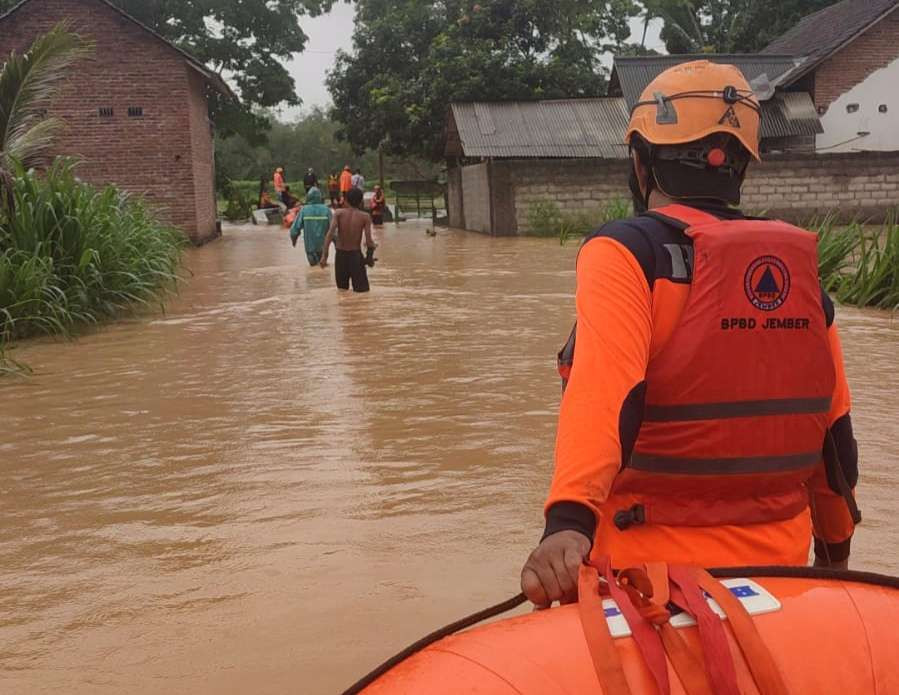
point(546, 219)
point(71, 254)
point(859, 263)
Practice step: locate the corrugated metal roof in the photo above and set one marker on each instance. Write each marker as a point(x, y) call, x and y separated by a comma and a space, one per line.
point(567, 128)
point(585, 128)
point(789, 114)
point(630, 76)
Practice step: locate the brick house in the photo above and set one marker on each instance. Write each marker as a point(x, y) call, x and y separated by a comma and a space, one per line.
point(136, 110)
point(849, 56)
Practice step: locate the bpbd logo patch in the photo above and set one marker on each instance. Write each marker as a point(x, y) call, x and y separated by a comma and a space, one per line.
point(767, 283)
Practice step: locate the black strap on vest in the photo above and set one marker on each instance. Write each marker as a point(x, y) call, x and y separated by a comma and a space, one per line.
point(836, 478)
point(664, 219)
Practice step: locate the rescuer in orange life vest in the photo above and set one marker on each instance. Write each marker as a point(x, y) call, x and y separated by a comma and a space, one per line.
point(706, 415)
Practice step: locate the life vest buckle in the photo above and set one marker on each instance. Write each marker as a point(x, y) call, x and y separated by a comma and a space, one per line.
point(625, 518)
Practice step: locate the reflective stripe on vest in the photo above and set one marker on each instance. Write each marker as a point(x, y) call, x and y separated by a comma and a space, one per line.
point(719, 411)
point(724, 466)
point(681, 261)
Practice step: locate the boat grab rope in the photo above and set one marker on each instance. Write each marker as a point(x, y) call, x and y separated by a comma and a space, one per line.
point(821, 573)
point(436, 636)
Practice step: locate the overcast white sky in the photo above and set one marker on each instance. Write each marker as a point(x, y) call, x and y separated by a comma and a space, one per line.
point(334, 30)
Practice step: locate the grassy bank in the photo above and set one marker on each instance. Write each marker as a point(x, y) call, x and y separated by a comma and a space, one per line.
point(74, 255)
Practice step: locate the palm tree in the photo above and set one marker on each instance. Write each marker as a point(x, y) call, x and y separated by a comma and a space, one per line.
point(683, 30)
point(27, 84)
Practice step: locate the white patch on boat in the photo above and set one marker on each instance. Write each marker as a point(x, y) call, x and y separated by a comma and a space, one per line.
point(755, 599)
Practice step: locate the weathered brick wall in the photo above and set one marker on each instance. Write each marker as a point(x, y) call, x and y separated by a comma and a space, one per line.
point(792, 187)
point(202, 158)
point(875, 49)
point(151, 155)
point(476, 198)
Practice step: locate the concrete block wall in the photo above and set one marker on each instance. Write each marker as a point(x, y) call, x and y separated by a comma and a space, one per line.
point(792, 187)
point(163, 155)
point(454, 197)
point(574, 185)
point(476, 197)
point(851, 185)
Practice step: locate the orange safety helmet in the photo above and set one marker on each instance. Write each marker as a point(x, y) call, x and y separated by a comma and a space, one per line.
point(692, 100)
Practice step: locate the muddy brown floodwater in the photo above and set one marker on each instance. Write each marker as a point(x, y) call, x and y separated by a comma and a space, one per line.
point(271, 488)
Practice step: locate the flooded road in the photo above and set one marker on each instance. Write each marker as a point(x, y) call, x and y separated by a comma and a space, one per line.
point(272, 488)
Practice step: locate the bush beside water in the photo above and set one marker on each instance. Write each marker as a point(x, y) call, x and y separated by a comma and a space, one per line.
point(860, 263)
point(71, 254)
point(546, 219)
point(238, 206)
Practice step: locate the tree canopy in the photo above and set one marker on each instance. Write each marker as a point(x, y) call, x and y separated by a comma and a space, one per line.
point(413, 57)
point(249, 41)
point(727, 26)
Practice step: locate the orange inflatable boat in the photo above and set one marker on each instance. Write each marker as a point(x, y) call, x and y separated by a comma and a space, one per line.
point(775, 631)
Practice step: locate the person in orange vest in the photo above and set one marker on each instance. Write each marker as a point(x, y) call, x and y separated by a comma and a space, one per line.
point(334, 189)
point(278, 181)
point(346, 183)
point(705, 419)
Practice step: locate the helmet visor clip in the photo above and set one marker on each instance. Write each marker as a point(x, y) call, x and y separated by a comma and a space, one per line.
point(665, 113)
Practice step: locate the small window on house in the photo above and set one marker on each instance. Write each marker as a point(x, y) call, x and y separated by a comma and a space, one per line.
point(851, 108)
point(882, 108)
point(135, 111)
point(107, 112)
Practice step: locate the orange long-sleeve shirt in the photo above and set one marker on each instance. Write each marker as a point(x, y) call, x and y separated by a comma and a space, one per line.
point(626, 312)
point(346, 181)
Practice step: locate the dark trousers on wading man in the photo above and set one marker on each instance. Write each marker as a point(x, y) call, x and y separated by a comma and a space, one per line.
point(351, 224)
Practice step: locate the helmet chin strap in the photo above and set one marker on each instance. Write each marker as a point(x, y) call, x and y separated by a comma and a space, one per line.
point(641, 201)
point(640, 198)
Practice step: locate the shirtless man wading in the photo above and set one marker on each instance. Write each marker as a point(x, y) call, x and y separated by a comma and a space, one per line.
point(350, 223)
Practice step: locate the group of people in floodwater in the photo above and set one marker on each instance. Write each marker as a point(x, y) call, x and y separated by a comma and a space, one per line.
point(344, 222)
point(338, 185)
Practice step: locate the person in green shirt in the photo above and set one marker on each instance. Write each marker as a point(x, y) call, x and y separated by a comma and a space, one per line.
point(314, 219)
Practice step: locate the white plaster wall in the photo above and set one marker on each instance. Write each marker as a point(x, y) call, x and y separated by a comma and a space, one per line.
point(841, 129)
